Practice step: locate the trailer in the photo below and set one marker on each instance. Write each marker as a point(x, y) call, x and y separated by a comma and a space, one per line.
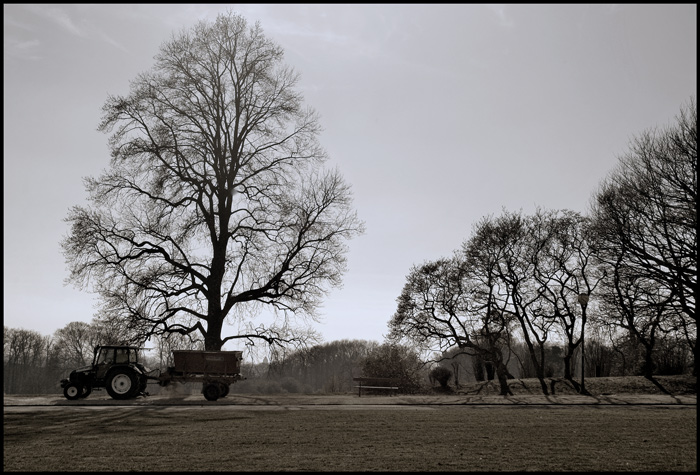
point(118, 370)
point(216, 370)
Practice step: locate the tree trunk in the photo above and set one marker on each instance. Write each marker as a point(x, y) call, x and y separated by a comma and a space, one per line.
point(648, 370)
point(568, 375)
point(567, 367)
point(502, 373)
point(567, 361)
point(489, 370)
point(212, 339)
point(536, 363)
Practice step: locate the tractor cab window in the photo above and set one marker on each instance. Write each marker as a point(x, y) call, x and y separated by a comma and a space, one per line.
point(106, 356)
point(122, 356)
point(125, 355)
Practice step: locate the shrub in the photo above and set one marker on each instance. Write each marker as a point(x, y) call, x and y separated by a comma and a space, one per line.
point(395, 361)
point(442, 375)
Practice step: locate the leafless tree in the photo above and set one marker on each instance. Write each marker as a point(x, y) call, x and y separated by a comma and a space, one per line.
point(75, 343)
point(507, 249)
point(442, 306)
point(645, 215)
point(567, 274)
point(216, 204)
point(24, 361)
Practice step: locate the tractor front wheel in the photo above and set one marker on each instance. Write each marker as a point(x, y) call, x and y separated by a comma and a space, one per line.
point(85, 391)
point(72, 392)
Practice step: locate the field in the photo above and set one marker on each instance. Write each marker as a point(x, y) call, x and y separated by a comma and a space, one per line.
point(379, 433)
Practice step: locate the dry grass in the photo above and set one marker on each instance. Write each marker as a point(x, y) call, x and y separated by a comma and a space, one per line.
point(676, 385)
point(283, 437)
point(472, 438)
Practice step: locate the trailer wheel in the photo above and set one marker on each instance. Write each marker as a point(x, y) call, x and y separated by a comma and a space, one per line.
point(211, 391)
point(223, 389)
point(72, 392)
point(122, 384)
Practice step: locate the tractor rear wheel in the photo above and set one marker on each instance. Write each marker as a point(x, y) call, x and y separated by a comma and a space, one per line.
point(122, 384)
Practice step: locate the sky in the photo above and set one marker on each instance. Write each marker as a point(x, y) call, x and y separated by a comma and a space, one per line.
point(437, 115)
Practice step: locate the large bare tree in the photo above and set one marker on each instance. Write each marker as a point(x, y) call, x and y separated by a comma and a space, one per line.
point(216, 203)
point(645, 214)
point(508, 247)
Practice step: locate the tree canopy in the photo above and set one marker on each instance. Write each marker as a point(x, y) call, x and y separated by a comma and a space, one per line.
point(645, 215)
point(216, 202)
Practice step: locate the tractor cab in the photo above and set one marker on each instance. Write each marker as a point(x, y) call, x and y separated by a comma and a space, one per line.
point(107, 357)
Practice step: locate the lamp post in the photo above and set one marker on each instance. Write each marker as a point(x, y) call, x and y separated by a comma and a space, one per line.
point(583, 300)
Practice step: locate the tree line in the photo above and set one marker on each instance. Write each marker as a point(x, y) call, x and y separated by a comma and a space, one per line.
point(35, 363)
point(629, 268)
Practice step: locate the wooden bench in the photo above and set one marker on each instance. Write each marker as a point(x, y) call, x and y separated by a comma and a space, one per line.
point(388, 384)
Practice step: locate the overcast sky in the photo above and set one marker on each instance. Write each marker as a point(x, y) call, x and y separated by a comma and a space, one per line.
point(437, 115)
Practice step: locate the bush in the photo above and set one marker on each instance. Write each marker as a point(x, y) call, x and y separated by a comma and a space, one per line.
point(395, 361)
point(442, 375)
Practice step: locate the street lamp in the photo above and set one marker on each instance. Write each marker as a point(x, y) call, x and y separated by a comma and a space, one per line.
point(583, 300)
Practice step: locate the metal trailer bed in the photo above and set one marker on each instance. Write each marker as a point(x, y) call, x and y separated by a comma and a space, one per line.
point(216, 370)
